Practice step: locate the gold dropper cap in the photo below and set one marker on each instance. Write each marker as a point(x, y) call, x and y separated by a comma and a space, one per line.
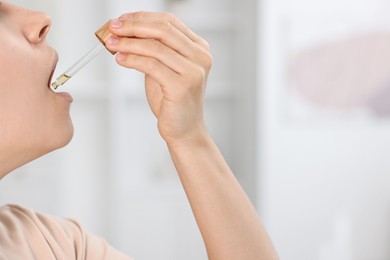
point(103, 34)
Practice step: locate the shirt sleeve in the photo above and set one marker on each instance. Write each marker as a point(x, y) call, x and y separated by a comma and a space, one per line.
point(25, 234)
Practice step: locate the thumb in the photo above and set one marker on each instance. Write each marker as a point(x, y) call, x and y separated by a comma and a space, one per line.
point(153, 94)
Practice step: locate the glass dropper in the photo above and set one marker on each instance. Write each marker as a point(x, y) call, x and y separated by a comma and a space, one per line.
point(77, 66)
point(102, 34)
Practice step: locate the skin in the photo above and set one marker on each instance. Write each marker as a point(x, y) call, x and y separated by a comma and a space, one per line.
point(34, 120)
point(176, 62)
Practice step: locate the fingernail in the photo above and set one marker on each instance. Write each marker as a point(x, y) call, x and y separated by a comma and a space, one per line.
point(112, 41)
point(127, 16)
point(115, 23)
point(121, 56)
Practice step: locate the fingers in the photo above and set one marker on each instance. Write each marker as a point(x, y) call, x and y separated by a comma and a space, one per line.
point(160, 46)
point(149, 66)
point(162, 27)
point(150, 48)
point(150, 16)
point(172, 84)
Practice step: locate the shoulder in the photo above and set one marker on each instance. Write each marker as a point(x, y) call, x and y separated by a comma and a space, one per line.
point(16, 220)
point(25, 233)
point(28, 233)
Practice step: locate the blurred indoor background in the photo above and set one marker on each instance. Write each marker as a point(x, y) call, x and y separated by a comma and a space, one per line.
point(298, 101)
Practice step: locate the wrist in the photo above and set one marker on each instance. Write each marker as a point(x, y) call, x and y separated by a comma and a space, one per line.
point(199, 138)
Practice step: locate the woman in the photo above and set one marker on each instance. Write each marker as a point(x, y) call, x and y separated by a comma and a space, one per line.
point(35, 121)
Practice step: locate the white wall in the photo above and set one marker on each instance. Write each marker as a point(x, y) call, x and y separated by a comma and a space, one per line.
point(324, 176)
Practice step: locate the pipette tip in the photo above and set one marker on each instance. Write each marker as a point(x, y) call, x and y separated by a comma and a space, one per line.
point(55, 85)
point(60, 81)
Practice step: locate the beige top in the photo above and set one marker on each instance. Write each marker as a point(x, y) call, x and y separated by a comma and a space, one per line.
point(25, 234)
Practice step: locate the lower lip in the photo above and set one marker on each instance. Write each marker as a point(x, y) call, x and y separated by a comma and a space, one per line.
point(65, 95)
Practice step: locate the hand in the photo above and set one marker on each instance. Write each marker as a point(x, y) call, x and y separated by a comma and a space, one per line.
point(176, 63)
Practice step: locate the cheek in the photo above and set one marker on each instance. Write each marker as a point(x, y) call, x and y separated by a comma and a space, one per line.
point(20, 62)
point(21, 81)
point(21, 111)
point(9, 72)
point(13, 82)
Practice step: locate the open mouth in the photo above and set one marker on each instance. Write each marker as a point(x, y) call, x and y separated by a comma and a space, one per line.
point(52, 72)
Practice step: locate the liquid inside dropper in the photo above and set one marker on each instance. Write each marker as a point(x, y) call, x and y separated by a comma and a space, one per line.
point(60, 81)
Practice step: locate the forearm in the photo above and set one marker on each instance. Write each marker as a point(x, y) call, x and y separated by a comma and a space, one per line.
point(226, 218)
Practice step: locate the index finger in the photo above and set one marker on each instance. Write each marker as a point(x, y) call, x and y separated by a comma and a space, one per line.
point(169, 18)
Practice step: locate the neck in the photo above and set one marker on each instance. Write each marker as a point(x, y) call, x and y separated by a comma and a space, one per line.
point(11, 159)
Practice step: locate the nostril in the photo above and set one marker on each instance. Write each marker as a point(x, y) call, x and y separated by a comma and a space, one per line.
point(43, 31)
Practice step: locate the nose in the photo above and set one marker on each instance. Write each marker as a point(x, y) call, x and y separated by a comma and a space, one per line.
point(36, 27)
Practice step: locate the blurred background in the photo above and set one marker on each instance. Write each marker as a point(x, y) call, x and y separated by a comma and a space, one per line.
point(298, 101)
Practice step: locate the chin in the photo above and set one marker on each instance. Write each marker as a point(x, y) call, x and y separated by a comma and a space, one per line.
point(62, 137)
point(55, 138)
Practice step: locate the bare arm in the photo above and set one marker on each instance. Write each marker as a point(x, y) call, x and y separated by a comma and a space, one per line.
point(227, 220)
point(176, 63)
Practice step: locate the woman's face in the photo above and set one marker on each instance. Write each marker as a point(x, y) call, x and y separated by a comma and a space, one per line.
point(33, 119)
